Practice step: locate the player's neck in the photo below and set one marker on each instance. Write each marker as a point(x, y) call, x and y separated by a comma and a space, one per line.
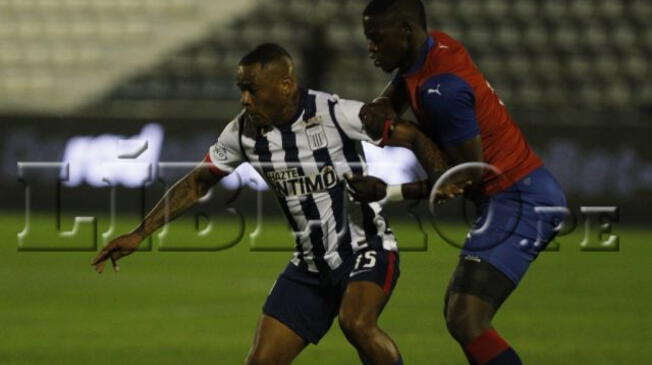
point(419, 38)
point(289, 110)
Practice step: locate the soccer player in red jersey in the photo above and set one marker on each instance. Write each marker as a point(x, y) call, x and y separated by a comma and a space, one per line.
point(459, 110)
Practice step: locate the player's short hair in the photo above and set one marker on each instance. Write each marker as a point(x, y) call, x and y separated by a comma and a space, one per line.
point(404, 10)
point(264, 54)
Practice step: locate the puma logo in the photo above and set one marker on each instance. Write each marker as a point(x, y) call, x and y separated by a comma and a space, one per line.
point(435, 90)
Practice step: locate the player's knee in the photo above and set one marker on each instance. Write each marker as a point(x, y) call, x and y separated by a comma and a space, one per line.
point(464, 327)
point(258, 357)
point(357, 328)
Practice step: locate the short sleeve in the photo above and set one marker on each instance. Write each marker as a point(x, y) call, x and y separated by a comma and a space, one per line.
point(449, 104)
point(225, 155)
point(347, 114)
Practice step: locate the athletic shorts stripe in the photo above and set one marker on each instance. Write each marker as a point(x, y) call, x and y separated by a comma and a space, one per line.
point(389, 276)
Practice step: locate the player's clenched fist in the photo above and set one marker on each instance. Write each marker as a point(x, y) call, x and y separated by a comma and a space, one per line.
point(450, 191)
point(366, 188)
point(373, 116)
point(116, 249)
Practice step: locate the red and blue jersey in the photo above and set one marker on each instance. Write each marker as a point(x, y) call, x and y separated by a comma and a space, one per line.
point(454, 102)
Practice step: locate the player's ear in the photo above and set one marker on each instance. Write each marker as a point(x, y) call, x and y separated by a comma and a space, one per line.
point(407, 28)
point(287, 84)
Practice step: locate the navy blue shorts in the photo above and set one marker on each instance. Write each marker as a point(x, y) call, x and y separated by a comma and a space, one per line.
point(307, 305)
point(509, 232)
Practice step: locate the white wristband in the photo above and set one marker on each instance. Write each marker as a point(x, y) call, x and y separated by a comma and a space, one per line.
point(394, 193)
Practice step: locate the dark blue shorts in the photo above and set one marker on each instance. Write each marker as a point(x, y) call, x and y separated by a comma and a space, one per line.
point(509, 232)
point(307, 305)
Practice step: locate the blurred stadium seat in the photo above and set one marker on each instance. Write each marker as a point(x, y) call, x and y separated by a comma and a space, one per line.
point(58, 55)
point(588, 54)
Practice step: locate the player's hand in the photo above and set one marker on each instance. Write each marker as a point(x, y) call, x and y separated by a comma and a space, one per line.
point(366, 188)
point(450, 191)
point(373, 116)
point(118, 248)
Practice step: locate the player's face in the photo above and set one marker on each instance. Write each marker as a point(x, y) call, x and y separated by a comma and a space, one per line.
point(387, 44)
point(260, 93)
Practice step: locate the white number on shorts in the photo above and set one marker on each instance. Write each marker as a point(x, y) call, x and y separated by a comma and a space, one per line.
point(370, 256)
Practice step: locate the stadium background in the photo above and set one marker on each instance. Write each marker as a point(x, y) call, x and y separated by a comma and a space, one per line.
point(575, 74)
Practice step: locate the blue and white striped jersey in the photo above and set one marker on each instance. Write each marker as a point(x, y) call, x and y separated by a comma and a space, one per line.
point(304, 163)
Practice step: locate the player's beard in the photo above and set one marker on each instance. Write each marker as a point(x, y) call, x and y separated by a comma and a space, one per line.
point(258, 120)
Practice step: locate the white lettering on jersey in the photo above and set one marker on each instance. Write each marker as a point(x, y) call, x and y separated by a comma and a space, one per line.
point(291, 183)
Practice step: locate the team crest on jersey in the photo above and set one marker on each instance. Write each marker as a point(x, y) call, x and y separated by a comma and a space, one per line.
point(219, 152)
point(316, 137)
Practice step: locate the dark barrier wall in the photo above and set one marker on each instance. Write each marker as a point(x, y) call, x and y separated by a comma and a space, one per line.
point(604, 165)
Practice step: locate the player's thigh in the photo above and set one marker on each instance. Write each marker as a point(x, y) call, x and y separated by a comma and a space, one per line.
point(476, 290)
point(369, 287)
point(274, 343)
point(303, 304)
point(361, 304)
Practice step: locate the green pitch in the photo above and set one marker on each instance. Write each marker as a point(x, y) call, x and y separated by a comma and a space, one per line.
point(573, 307)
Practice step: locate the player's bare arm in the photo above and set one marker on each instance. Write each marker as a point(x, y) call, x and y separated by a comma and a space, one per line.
point(179, 198)
point(406, 134)
point(467, 151)
point(396, 96)
point(183, 195)
point(402, 134)
point(455, 184)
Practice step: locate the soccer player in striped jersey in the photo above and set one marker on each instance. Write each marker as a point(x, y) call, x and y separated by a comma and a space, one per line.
point(303, 143)
point(458, 109)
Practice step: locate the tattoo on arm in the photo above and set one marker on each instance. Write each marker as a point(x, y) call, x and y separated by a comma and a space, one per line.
point(176, 200)
point(435, 162)
point(407, 135)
